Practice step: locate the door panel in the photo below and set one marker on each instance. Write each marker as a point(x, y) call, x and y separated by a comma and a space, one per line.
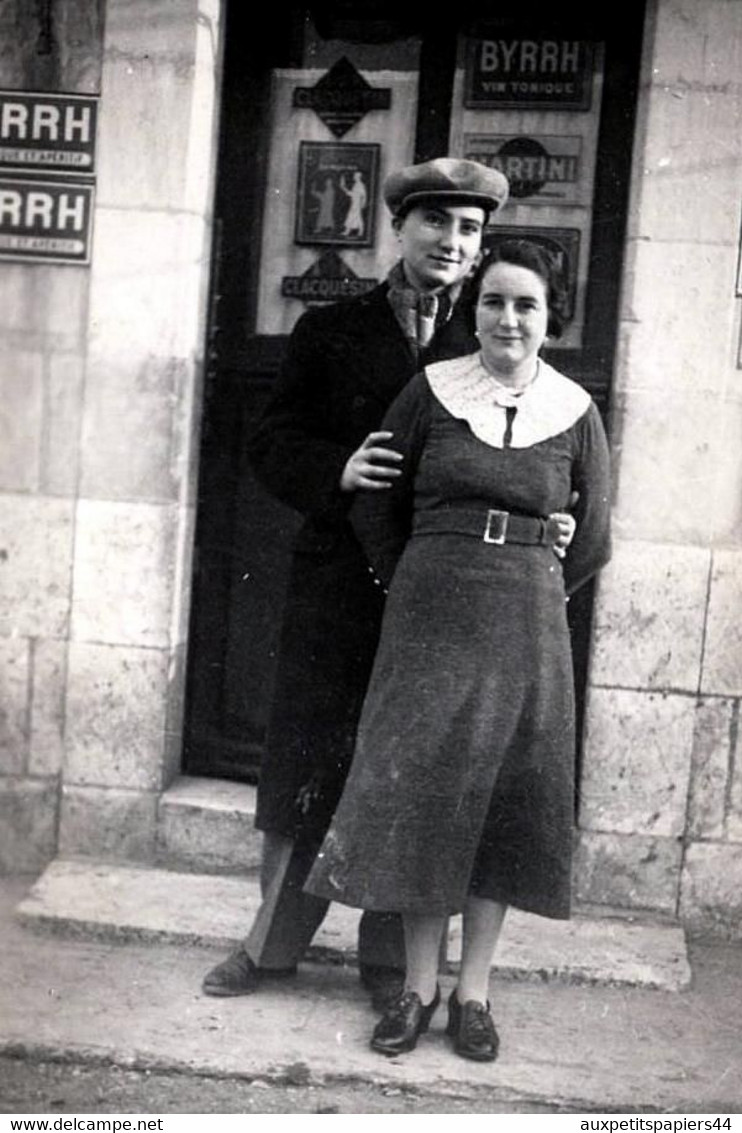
point(285, 212)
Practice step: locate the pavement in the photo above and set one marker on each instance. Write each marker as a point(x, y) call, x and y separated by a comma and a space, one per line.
point(102, 965)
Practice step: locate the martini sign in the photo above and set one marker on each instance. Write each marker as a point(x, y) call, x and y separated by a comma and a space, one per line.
point(541, 169)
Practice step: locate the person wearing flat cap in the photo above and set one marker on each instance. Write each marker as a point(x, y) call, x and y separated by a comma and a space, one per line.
point(317, 446)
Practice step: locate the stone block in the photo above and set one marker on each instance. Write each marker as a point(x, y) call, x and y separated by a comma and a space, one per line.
point(666, 285)
point(105, 822)
point(711, 889)
point(124, 572)
point(65, 295)
point(116, 704)
point(28, 824)
point(145, 88)
point(14, 719)
point(160, 32)
point(681, 27)
point(727, 509)
point(35, 565)
point(667, 469)
point(648, 620)
point(198, 181)
point(636, 762)
point(715, 719)
point(627, 871)
point(43, 307)
point(60, 449)
point(147, 297)
point(18, 311)
point(185, 537)
point(69, 60)
point(133, 420)
point(734, 802)
point(136, 904)
point(187, 438)
point(681, 165)
point(49, 678)
point(722, 656)
point(21, 420)
point(208, 826)
point(174, 715)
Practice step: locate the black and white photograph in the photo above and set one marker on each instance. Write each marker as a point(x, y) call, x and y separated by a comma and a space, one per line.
point(370, 564)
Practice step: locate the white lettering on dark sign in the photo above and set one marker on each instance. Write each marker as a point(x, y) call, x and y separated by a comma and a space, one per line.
point(529, 72)
point(45, 220)
point(524, 56)
point(41, 209)
point(543, 168)
point(46, 130)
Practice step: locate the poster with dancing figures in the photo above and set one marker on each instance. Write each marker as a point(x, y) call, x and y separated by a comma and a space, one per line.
point(336, 194)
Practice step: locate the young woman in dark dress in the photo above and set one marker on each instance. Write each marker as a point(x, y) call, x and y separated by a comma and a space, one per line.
point(460, 794)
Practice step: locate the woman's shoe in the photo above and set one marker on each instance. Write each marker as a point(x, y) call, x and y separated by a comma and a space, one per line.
point(403, 1022)
point(472, 1030)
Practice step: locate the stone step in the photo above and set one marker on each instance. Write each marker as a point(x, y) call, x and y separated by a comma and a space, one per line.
point(207, 825)
point(108, 901)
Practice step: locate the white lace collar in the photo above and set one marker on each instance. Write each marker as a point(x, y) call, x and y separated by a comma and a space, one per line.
point(548, 406)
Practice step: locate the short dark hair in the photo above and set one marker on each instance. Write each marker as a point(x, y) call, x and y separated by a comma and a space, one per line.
point(537, 258)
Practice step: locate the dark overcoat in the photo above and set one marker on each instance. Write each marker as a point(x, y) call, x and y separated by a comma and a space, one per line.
point(344, 366)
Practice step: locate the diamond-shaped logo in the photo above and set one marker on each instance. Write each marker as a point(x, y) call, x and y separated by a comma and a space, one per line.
point(342, 97)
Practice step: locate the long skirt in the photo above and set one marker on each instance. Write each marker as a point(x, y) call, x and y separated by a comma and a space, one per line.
point(462, 778)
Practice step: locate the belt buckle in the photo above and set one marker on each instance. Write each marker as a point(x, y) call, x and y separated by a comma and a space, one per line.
point(500, 521)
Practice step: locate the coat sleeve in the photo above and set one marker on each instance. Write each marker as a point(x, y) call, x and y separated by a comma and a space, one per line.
point(382, 520)
point(591, 547)
point(292, 451)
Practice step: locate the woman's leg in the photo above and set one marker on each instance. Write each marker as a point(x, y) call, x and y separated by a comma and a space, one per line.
point(422, 935)
point(404, 1021)
point(470, 1024)
point(482, 923)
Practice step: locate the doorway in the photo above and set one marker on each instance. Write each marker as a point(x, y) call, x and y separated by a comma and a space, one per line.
point(331, 97)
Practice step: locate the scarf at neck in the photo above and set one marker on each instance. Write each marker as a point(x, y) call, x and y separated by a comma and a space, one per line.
point(419, 313)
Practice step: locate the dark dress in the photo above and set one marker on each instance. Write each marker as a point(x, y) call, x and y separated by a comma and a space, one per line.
point(462, 779)
point(344, 366)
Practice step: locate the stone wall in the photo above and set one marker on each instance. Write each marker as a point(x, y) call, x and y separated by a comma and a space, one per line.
point(661, 808)
point(101, 396)
point(43, 325)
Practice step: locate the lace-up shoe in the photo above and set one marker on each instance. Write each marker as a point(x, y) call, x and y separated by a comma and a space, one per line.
point(403, 1022)
point(472, 1029)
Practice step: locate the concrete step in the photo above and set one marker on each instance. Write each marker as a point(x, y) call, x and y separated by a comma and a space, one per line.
point(101, 900)
point(208, 825)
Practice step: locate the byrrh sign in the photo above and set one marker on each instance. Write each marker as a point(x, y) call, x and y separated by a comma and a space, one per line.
point(46, 215)
point(45, 220)
point(544, 73)
point(48, 131)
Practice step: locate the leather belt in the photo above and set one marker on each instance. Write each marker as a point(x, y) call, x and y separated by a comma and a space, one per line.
point(489, 525)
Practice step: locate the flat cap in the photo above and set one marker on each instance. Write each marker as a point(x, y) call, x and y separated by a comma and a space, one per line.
point(450, 178)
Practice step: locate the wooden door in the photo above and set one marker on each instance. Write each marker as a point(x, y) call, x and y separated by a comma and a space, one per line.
point(325, 100)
